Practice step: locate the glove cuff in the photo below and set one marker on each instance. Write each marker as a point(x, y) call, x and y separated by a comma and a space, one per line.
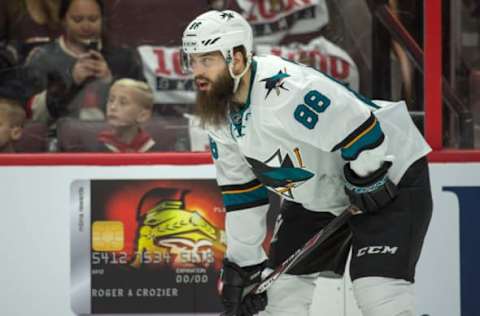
point(370, 193)
point(375, 176)
point(235, 275)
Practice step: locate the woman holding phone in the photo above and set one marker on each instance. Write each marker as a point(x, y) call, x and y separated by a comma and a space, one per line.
point(76, 70)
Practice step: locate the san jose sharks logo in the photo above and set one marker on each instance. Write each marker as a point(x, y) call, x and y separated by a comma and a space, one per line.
point(280, 174)
point(276, 82)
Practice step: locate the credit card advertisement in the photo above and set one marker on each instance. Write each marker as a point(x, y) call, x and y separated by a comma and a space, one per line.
point(146, 246)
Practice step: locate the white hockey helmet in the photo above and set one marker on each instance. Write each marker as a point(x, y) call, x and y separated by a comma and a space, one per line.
point(219, 31)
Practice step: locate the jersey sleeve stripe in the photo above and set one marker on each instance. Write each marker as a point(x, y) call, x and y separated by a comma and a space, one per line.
point(363, 133)
point(246, 199)
point(239, 187)
point(373, 138)
point(349, 140)
point(242, 190)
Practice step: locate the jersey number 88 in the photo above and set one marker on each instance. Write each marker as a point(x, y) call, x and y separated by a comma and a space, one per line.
point(315, 103)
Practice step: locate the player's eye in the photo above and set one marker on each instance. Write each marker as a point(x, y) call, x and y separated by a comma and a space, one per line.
point(207, 61)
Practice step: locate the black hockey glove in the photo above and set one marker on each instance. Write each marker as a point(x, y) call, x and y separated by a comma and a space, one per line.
point(370, 193)
point(235, 280)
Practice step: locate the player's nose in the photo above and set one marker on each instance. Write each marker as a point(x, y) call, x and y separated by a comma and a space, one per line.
point(198, 71)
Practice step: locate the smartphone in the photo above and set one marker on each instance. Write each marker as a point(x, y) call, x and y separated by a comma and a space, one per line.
point(92, 45)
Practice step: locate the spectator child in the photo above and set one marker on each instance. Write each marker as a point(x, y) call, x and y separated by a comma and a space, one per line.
point(12, 117)
point(129, 105)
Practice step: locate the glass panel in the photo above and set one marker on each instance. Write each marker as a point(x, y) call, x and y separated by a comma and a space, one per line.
point(60, 64)
point(461, 61)
point(397, 54)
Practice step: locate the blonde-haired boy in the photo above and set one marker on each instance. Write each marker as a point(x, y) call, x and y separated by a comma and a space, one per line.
point(12, 118)
point(129, 105)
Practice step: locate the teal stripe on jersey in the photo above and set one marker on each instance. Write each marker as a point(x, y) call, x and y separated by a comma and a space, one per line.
point(371, 139)
point(283, 174)
point(236, 200)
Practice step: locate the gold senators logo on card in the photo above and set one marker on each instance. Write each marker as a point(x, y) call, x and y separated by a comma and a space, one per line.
point(184, 236)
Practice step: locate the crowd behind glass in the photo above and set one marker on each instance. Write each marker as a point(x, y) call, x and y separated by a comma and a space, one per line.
point(106, 76)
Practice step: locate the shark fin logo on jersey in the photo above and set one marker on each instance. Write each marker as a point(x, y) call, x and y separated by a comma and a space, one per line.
point(279, 173)
point(276, 82)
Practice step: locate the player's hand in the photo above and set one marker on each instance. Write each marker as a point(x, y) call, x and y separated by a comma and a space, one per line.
point(235, 280)
point(370, 193)
point(354, 210)
point(252, 304)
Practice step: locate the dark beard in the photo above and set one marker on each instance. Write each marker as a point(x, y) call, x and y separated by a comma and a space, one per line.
point(212, 106)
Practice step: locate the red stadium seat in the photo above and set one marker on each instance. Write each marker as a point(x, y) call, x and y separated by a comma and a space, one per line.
point(34, 138)
point(170, 134)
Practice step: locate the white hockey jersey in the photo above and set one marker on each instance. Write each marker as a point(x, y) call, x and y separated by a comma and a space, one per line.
point(293, 136)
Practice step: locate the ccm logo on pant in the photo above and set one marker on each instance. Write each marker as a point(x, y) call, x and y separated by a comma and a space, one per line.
point(373, 250)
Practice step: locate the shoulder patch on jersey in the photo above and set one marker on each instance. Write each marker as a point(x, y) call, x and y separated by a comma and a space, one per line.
point(276, 82)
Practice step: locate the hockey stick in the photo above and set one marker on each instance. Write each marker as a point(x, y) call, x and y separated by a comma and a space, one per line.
point(313, 243)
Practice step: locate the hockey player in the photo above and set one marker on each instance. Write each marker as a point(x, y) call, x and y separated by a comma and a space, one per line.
point(279, 126)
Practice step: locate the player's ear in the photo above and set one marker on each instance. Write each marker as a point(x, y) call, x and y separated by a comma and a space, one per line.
point(238, 62)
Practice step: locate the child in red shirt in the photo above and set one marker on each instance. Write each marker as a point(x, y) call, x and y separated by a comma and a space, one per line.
point(129, 105)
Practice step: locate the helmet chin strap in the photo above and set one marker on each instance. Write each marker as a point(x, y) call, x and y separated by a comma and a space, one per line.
point(237, 78)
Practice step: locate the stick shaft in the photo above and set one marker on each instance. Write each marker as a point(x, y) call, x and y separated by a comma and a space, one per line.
point(313, 243)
